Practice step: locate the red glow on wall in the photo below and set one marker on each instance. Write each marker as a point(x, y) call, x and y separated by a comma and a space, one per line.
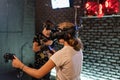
point(100, 9)
point(112, 6)
point(92, 8)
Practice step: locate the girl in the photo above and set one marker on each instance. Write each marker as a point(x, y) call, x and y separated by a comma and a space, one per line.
point(67, 61)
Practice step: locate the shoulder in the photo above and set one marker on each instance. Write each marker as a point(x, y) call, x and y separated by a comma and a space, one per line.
point(36, 37)
point(57, 58)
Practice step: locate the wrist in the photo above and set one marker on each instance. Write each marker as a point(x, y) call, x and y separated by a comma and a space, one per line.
point(22, 66)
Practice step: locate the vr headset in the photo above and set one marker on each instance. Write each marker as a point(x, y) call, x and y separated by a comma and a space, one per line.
point(63, 33)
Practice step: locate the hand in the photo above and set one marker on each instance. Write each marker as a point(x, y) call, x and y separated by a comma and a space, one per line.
point(36, 47)
point(17, 63)
point(49, 42)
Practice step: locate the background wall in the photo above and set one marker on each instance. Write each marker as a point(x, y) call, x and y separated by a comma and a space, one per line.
point(45, 12)
point(101, 38)
point(17, 27)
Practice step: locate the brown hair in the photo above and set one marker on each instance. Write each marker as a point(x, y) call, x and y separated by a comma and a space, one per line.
point(48, 25)
point(72, 40)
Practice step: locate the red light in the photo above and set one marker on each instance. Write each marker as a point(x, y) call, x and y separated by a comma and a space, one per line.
point(100, 11)
point(91, 8)
point(106, 4)
point(105, 7)
point(112, 6)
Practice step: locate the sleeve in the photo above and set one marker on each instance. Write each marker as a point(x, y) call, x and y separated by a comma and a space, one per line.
point(57, 58)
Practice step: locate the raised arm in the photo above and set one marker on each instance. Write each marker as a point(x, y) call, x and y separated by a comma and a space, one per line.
point(37, 73)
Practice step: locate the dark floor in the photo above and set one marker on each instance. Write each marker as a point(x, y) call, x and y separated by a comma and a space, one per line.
point(17, 75)
point(14, 75)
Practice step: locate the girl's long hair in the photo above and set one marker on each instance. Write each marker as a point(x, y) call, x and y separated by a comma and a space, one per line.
point(71, 37)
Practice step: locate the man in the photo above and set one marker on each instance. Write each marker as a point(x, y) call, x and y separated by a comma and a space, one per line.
point(42, 47)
